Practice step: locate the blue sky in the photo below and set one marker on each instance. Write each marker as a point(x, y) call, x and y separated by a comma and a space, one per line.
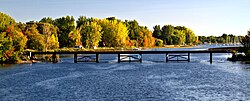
point(204, 17)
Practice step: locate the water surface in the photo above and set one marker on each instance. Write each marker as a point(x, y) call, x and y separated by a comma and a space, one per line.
point(151, 80)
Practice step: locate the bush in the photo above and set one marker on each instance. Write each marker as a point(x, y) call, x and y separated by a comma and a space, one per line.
point(158, 42)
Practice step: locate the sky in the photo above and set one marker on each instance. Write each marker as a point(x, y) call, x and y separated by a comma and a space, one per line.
point(204, 17)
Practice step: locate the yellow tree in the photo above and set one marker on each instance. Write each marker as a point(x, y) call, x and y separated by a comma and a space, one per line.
point(49, 33)
point(76, 36)
point(92, 34)
point(35, 39)
point(114, 33)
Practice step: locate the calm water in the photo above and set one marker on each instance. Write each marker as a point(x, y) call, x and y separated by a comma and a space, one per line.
point(151, 80)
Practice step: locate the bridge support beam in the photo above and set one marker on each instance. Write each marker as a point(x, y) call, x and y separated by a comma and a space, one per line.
point(140, 58)
point(119, 58)
point(166, 57)
point(97, 58)
point(211, 57)
point(188, 57)
point(75, 58)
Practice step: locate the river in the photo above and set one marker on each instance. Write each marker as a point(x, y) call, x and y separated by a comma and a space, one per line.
point(153, 79)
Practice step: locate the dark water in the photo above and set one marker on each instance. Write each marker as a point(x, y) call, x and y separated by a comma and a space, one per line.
point(151, 80)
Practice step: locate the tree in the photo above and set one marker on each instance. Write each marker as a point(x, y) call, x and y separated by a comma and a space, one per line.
point(65, 26)
point(157, 31)
point(148, 39)
point(5, 21)
point(18, 39)
point(82, 20)
point(134, 29)
point(245, 41)
point(225, 37)
point(46, 20)
point(35, 39)
point(114, 33)
point(190, 37)
point(12, 40)
point(49, 33)
point(12, 44)
point(179, 37)
point(167, 33)
point(76, 36)
point(6, 48)
point(92, 33)
point(212, 39)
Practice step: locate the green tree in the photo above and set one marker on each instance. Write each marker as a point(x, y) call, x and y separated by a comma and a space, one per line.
point(157, 32)
point(202, 39)
point(225, 38)
point(65, 25)
point(82, 20)
point(168, 34)
point(212, 39)
point(190, 37)
point(245, 41)
point(134, 29)
point(46, 20)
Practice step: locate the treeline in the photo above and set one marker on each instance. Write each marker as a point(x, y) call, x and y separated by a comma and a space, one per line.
point(179, 35)
point(49, 34)
point(224, 38)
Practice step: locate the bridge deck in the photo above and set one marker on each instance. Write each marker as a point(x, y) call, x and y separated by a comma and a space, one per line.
point(129, 52)
point(97, 53)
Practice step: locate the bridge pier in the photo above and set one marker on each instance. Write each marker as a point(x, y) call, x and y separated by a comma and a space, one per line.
point(140, 58)
point(119, 58)
point(97, 58)
point(211, 57)
point(188, 57)
point(166, 57)
point(75, 58)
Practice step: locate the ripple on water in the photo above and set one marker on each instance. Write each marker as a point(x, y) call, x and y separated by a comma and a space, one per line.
point(127, 81)
point(51, 83)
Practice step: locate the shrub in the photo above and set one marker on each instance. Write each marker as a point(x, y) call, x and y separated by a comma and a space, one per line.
point(158, 42)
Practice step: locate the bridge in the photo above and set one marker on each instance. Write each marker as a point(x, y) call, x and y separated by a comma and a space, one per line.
point(131, 56)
